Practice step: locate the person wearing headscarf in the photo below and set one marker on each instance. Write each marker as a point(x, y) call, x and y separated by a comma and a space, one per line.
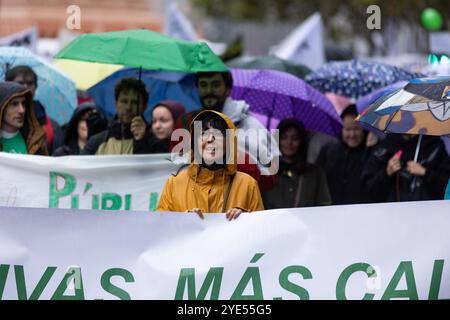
point(164, 115)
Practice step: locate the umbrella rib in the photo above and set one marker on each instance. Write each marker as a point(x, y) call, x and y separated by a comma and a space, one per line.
point(444, 111)
point(389, 121)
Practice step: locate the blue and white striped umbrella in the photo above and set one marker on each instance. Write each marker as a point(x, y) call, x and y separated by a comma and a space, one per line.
point(56, 91)
point(355, 78)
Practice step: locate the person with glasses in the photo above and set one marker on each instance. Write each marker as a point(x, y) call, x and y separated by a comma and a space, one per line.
point(211, 182)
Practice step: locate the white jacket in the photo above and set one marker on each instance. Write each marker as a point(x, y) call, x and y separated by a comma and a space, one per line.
point(262, 150)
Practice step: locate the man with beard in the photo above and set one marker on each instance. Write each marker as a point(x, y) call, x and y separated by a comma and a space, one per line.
point(214, 91)
point(20, 131)
point(25, 76)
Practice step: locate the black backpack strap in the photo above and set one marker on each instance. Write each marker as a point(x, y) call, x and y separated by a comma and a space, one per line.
point(228, 193)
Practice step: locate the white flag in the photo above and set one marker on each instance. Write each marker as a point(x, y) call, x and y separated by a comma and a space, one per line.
point(304, 45)
point(177, 25)
point(26, 38)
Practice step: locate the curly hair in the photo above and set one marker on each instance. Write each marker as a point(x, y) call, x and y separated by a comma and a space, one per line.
point(132, 84)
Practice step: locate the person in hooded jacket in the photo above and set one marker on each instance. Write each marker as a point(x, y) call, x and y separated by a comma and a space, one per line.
point(77, 131)
point(211, 182)
point(215, 94)
point(343, 162)
point(391, 174)
point(20, 131)
point(25, 76)
point(299, 183)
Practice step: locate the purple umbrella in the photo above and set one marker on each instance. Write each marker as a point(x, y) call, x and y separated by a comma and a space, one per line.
point(370, 98)
point(276, 95)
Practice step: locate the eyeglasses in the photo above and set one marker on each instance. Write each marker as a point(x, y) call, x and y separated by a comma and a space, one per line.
point(215, 133)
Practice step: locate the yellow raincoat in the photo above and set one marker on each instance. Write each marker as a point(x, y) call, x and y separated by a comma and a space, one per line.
point(198, 187)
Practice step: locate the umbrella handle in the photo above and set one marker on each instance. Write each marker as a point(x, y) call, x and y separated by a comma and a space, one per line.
point(136, 111)
point(416, 156)
point(269, 120)
point(419, 142)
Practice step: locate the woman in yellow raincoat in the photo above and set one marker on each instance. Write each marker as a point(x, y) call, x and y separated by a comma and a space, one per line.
point(211, 182)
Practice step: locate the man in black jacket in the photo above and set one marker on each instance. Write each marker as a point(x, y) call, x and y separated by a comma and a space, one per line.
point(343, 162)
point(128, 133)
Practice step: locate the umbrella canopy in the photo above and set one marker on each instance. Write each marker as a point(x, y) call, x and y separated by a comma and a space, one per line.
point(339, 102)
point(356, 78)
point(86, 74)
point(367, 100)
point(270, 63)
point(421, 107)
point(161, 85)
point(279, 95)
point(55, 90)
point(143, 48)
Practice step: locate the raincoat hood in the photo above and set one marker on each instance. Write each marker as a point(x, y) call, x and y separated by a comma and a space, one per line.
point(72, 126)
point(32, 132)
point(230, 159)
point(10, 90)
point(208, 189)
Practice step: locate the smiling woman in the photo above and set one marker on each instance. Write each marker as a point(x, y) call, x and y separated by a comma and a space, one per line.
point(211, 183)
point(210, 145)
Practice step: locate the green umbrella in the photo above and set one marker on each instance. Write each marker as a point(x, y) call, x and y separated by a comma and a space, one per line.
point(143, 49)
point(269, 63)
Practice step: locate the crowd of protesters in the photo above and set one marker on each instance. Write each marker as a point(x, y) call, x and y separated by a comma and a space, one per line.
point(356, 168)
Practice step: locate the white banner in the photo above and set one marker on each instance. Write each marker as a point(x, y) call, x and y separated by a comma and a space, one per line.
point(84, 182)
point(378, 251)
